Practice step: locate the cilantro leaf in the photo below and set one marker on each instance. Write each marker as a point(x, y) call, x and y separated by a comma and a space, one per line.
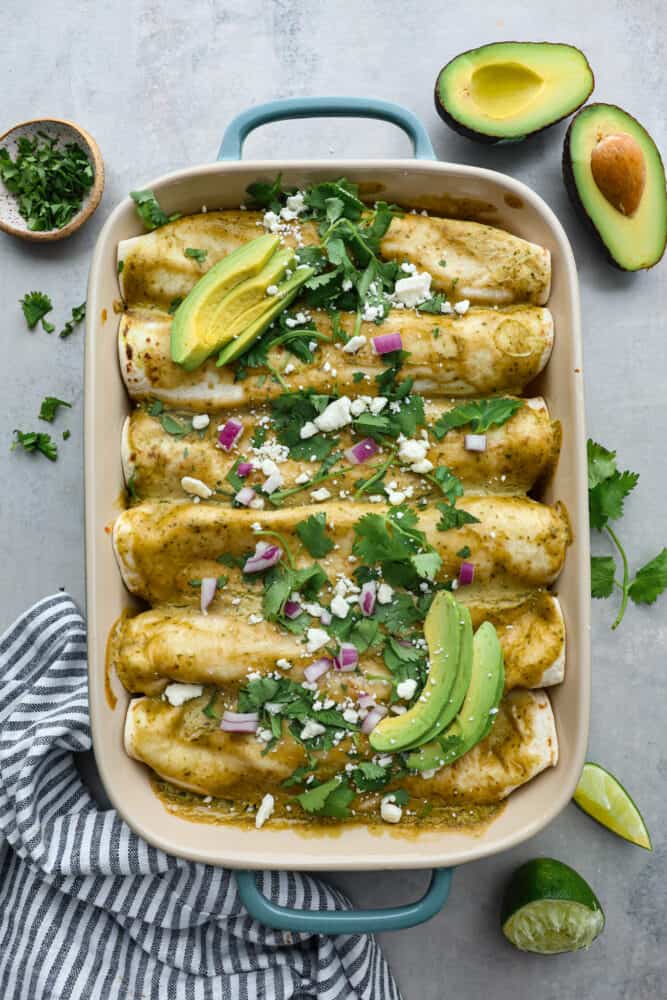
point(650, 581)
point(35, 306)
point(453, 517)
point(331, 798)
point(266, 195)
point(49, 407)
point(601, 463)
point(480, 414)
point(426, 564)
point(605, 500)
point(34, 441)
point(176, 426)
point(603, 570)
point(78, 315)
point(313, 535)
point(450, 484)
point(149, 210)
point(370, 777)
point(194, 254)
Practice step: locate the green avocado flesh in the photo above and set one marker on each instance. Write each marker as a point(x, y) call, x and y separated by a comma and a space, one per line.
point(443, 631)
point(508, 90)
point(230, 286)
point(479, 708)
point(633, 234)
point(287, 291)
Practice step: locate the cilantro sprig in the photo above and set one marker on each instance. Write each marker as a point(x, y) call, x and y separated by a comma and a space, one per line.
point(394, 541)
point(149, 210)
point(607, 490)
point(481, 415)
point(50, 406)
point(35, 306)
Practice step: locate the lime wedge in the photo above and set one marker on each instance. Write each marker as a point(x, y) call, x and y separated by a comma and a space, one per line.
point(548, 908)
point(603, 797)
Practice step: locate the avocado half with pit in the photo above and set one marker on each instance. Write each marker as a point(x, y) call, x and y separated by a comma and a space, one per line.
point(615, 177)
point(506, 91)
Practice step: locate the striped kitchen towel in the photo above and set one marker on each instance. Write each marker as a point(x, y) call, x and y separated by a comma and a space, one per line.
point(88, 910)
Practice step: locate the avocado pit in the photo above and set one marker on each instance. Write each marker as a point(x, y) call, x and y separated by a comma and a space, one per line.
point(619, 170)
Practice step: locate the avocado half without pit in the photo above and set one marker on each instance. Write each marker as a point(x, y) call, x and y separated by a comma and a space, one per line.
point(506, 91)
point(615, 177)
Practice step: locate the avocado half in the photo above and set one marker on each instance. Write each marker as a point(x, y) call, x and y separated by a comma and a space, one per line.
point(615, 178)
point(506, 91)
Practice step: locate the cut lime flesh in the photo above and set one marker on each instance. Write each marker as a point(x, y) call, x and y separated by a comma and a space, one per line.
point(603, 797)
point(551, 926)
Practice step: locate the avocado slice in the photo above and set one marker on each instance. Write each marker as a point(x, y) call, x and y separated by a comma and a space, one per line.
point(261, 316)
point(479, 708)
point(506, 91)
point(443, 631)
point(615, 177)
point(461, 682)
point(191, 330)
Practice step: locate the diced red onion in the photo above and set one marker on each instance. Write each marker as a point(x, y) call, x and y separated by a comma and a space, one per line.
point(292, 609)
point(209, 585)
point(466, 573)
point(317, 668)
point(374, 716)
point(240, 722)
point(362, 451)
point(475, 442)
point(245, 496)
point(366, 700)
point(367, 598)
point(244, 469)
point(347, 657)
point(387, 342)
point(230, 434)
point(326, 617)
point(265, 557)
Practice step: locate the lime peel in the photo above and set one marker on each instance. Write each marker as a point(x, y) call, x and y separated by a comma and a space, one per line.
point(603, 797)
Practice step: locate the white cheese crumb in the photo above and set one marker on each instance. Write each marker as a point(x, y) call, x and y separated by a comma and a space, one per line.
point(178, 694)
point(256, 526)
point(321, 494)
point(384, 593)
point(264, 735)
point(335, 416)
point(462, 307)
point(351, 716)
point(272, 290)
point(359, 405)
point(378, 404)
point(254, 619)
point(421, 467)
point(354, 344)
point(312, 729)
point(406, 689)
point(265, 810)
point(196, 488)
point(339, 607)
point(413, 290)
point(302, 479)
point(411, 450)
point(296, 202)
point(315, 639)
point(390, 812)
point(283, 663)
point(395, 497)
point(289, 369)
point(200, 421)
point(308, 430)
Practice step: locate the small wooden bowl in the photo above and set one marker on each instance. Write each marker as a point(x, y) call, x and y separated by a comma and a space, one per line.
point(66, 131)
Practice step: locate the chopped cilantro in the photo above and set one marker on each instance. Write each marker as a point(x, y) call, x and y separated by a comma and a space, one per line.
point(480, 414)
point(49, 407)
point(395, 542)
point(176, 426)
point(358, 377)
point(453, 517)
point(120, 267)
point(34, 441)
point(174, 304)
point(446, 481)
point(149, 210)
point(35, 306)
point(78, 315)
point(464, 552)
point(265, 195)
point(49, 180)
point(194, 254)
point(66, 435)
point(331, 798)
point(156, 408)
point(313, 535)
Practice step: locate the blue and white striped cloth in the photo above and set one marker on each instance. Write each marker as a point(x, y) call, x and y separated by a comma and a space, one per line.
point(88, 910)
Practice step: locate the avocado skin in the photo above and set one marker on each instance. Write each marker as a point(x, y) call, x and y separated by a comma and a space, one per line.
point(496, 140)
point(575, 197)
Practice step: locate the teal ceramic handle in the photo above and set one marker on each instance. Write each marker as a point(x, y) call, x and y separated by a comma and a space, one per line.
point(394, 918)
point(324, 107)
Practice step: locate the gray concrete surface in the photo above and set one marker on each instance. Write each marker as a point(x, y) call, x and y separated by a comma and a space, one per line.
point(156, 83)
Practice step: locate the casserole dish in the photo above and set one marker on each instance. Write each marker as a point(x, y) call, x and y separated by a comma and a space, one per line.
point(448, 189)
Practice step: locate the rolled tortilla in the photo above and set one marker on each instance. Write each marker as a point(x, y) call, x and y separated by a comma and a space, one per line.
point(186, 748)
point(517, 545)
point(181, 644)
point(485, 352)
point(467, 260)
point(519, 453)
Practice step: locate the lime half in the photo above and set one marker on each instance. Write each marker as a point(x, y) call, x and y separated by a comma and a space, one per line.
point(603, 797)
point(548, 908)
